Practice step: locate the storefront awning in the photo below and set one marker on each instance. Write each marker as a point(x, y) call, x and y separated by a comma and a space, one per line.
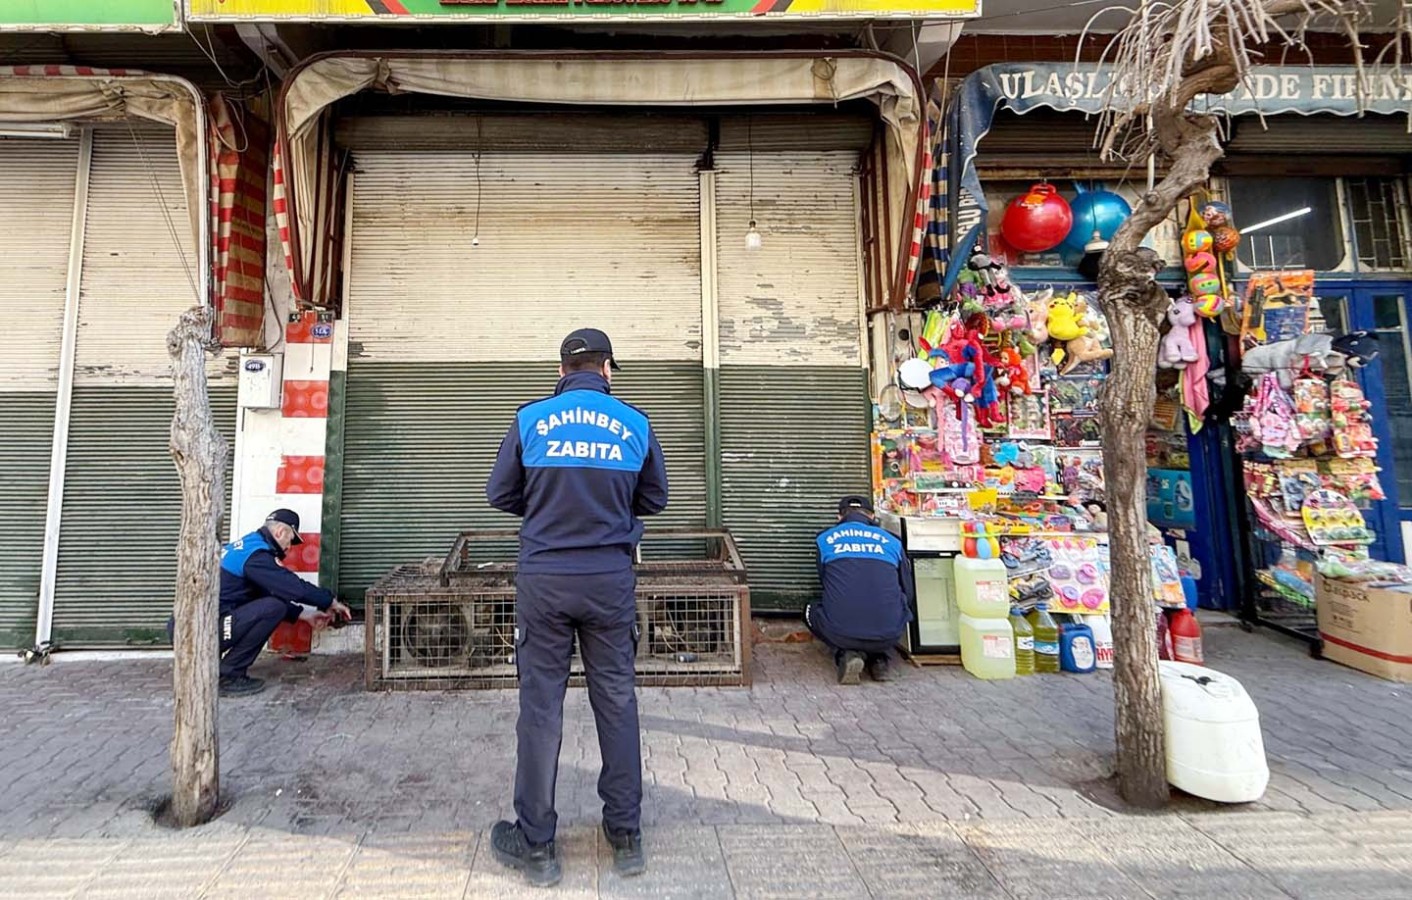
point(958, 210)
point(77, 93)
point(627, 79)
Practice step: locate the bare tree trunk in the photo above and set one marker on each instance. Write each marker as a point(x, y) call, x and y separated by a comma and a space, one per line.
point(1134, 304)
point(1126, 408)
point(199, 451)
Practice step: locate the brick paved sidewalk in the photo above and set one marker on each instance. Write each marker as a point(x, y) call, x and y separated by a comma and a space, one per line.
point(1367, 856)
point(938, 756)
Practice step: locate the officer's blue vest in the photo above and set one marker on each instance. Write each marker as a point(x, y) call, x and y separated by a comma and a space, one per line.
point(236, 554)
point(582, 430)
point(853, 540)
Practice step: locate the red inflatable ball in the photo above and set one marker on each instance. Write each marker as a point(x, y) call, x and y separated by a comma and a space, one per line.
point(1038, 220)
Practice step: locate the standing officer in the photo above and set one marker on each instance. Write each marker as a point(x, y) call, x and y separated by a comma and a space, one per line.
point(257, 594)
point(867, 585)
point(579, 467)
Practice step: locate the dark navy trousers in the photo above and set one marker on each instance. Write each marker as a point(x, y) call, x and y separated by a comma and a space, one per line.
point(550, 610)
point(244, 631)
point(841, 642)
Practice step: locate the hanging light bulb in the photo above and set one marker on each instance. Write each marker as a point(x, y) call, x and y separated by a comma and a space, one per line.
point(753, 241)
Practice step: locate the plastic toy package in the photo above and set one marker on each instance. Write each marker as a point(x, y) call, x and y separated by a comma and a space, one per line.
point(1331, 518)
point(1078, 575)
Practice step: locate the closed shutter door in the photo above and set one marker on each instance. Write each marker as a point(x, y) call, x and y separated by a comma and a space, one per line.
point(447, 339)
point(793, 391)
point(37, 179)
point(122, 497)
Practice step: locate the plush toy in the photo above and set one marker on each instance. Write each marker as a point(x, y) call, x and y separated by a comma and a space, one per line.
point(1064, 324)
point(1177, 349)
point(1082, 350)
point(1014, 372)
point(1289, 358)
point(1039, 316)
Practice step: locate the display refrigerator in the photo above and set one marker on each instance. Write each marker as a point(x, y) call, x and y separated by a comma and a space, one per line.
point(931, 546)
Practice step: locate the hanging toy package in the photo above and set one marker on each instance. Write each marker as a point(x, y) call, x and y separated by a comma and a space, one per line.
point(1353, 432)
point(1311, 409)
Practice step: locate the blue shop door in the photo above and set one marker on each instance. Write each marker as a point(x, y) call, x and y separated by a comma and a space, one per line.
point(1383, 308)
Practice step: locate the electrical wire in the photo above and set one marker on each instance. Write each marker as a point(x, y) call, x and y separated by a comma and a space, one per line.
point(166, 213)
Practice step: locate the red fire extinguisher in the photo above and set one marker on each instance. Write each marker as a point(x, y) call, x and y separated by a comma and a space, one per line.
point(1186, 637)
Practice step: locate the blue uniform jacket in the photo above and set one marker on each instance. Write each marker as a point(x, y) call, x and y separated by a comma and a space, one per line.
point(579, 467)
point(867, 581)
point(250, 570)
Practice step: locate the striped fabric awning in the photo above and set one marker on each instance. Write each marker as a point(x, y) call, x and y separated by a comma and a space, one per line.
point(239, 151)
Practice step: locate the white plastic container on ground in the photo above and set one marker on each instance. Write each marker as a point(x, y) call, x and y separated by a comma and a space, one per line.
point(1214, 746)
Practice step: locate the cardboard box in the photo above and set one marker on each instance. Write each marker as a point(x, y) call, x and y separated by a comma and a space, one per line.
point(1367, 628)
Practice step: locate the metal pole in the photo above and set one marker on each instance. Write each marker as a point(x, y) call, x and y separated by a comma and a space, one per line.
point(63, 404)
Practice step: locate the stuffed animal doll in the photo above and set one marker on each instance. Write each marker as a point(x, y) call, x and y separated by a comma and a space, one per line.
point(1288, 358)
point(1039, 316)
point(1177, 349)
point(1012, 373)
point(1082, 350)
point(1064, 319)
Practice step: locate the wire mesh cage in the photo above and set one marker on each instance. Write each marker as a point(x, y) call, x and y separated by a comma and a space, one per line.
point(451, 623)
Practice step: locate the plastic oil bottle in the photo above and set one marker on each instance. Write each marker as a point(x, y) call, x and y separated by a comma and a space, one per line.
point(1024, 642)
point(981, 589)
point(987, 647)
point(1046, 639)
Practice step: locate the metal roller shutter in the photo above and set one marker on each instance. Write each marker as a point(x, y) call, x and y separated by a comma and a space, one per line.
point(37, 179)
point(794, 398)
point(447, 339)
point(122, 498)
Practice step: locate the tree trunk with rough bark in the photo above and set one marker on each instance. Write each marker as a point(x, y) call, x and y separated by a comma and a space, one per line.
point(199, 451)
point(1135, 305)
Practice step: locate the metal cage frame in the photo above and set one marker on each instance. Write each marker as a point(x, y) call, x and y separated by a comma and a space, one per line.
point(693, 617)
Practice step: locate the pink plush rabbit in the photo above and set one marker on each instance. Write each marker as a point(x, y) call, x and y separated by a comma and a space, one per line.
point(1177, 349)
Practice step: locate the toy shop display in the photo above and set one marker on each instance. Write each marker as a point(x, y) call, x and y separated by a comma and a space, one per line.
point(1097, 215)
point(1037, 220)
point(1306, 441)
point(1208, 243)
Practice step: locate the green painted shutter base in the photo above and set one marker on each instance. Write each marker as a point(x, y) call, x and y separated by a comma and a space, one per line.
point(24, 494)
point(794, 440)
point(122, 514)
point(419, 441)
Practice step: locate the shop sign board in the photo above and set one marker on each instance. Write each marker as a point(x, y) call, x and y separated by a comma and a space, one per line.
point(86, 15)
point(373, 11)
point(1336, 90)
point(1088, 88)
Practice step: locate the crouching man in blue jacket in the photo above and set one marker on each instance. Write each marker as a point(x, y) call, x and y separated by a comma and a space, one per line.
point(867, 590)
point(257, 594)
point(578, 467)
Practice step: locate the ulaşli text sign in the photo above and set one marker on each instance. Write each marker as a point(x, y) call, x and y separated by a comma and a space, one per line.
point(372, 10)
point(1325, 89)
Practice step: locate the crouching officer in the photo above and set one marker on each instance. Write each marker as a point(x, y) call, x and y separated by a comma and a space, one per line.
point(867, 585)
point(257, 594)
point(579, 467)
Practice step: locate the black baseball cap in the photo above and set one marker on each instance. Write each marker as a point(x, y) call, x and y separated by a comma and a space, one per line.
point(588, 340)
point(288, 517)
point(855, 503)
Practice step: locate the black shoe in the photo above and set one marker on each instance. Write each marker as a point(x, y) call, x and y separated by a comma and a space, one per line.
point(850, 667)
point(240, 686)
point(880, 668)
point(628, 858)
point(539, 862)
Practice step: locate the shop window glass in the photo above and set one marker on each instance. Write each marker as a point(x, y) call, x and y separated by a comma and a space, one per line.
point(1378, 208)
point(1312, 240)
point(1390, 321)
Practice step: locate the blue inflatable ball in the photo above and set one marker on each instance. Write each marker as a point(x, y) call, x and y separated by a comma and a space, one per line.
point(1100, 210)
